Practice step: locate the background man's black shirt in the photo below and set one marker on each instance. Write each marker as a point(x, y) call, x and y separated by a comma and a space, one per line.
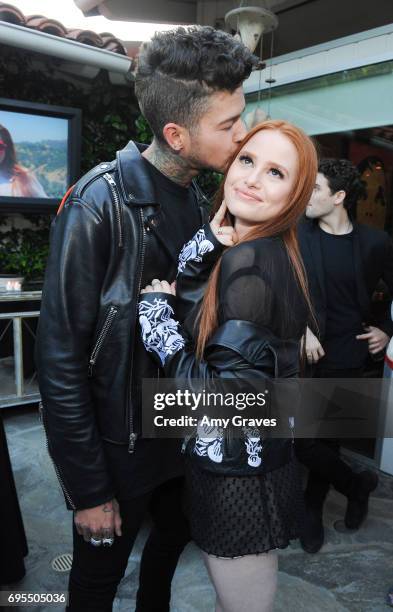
point(343, 318)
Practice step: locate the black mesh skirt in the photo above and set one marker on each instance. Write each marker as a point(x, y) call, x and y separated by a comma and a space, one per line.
point(235, 516)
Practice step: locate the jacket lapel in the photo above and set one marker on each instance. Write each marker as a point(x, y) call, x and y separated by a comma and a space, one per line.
point(361, 285)
point(316, 255)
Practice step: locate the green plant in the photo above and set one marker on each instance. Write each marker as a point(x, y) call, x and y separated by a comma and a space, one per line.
point(25, 251)
point(143, 130)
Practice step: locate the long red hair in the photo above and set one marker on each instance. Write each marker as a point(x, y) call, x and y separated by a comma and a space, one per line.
point(284, 223)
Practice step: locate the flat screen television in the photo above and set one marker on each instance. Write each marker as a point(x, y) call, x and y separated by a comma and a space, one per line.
point(39, 155)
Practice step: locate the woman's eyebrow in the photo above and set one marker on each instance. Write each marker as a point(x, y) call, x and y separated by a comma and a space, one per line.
point(276, 165)
point(246, 152)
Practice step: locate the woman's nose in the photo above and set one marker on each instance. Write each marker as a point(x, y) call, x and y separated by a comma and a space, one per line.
point(253, 179)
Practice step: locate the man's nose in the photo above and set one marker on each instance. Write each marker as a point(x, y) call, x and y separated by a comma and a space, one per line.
point(240, 131)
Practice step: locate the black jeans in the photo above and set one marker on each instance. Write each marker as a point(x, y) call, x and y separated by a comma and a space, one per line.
point(96, 572)
point(322, 456)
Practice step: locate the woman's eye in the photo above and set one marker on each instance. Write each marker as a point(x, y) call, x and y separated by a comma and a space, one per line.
point(276, 172)
point(245, 160)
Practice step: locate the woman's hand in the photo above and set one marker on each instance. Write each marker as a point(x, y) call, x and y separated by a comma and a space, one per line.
point(225, 234)
point(160, 287)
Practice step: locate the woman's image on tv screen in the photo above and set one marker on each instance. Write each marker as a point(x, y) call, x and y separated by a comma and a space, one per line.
point(15, 180)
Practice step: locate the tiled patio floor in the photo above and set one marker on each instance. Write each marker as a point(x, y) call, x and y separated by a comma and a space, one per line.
point(351, 573)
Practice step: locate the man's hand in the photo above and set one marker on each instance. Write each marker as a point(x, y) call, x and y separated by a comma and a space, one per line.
point(377, 339)
point(225, 234)
point(314, 350)
point(100, 522)
point(161, 287)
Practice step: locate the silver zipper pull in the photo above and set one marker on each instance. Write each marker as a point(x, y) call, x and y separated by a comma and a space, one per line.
point(131, 442)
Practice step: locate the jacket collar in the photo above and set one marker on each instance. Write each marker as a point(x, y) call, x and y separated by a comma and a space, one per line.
point(135, 183)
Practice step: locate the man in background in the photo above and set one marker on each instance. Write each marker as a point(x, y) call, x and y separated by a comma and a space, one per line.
point(344, 261)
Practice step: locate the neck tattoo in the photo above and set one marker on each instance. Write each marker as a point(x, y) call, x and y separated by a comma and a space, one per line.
point(173, 166)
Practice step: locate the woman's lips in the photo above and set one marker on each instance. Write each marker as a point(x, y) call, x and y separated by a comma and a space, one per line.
point(248, 195)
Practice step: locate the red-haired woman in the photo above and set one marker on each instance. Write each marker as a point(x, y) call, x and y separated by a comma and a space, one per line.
point(245, 298)
point(16, 181)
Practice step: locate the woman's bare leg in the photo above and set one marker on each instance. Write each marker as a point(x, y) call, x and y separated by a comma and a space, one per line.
point(247, 583)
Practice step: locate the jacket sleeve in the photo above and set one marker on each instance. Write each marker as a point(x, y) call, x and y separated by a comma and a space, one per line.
point(387, 275)
point(236, 349)
point(196, 261)
point(245, 295)
point(76, 267)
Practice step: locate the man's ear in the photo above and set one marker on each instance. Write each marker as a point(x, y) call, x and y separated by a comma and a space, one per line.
point(339, 197)
point(176, 136)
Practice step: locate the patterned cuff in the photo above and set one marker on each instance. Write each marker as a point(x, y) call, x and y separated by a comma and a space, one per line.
point(203, 242)
point(159, 330)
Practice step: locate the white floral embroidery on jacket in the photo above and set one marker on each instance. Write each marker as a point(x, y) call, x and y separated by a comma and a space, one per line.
point(208, 442)
point(194, 249)
point(159, 330)
point(253, 444)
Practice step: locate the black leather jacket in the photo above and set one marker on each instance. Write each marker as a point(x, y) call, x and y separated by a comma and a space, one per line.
point(238, 349)
point(85, 342)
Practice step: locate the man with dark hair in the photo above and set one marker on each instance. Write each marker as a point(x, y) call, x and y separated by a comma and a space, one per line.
point(344, 261)
point(121, 225)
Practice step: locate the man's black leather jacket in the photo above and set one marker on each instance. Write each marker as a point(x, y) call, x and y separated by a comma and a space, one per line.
point(85, 341)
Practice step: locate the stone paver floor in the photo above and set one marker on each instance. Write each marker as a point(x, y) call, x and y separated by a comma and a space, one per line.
point(350, 574)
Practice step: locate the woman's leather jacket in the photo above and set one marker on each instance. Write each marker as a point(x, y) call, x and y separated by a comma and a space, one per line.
point(238, 349)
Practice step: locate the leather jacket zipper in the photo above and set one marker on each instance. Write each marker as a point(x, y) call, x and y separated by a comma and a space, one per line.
point(66, 493)
point(116, 200)
point(132, 435)
point(101, 337)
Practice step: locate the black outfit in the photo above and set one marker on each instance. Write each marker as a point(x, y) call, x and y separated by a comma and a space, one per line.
point(372, 261)
point(86, 343)
point(322, 456)
point(343, 314)
point(155, 461)
point(122, 225)
point(343, 272)
point(14, 544)
point(96, 572)
point(232, 516)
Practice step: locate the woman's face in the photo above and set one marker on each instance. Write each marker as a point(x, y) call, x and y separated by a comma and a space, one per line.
point(261, 179)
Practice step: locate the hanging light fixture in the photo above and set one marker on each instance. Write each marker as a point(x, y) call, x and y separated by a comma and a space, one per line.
point(250, 24)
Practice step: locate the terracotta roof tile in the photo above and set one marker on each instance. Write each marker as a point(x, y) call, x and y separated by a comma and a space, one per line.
point(87, 37)
point(50, 26)
point(11, 14)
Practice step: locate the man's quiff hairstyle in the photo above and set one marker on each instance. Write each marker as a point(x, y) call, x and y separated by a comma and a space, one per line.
point(179, 69)
point(342, 175)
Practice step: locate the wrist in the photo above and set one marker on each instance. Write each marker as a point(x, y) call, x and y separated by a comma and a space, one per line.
point(159, 329)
